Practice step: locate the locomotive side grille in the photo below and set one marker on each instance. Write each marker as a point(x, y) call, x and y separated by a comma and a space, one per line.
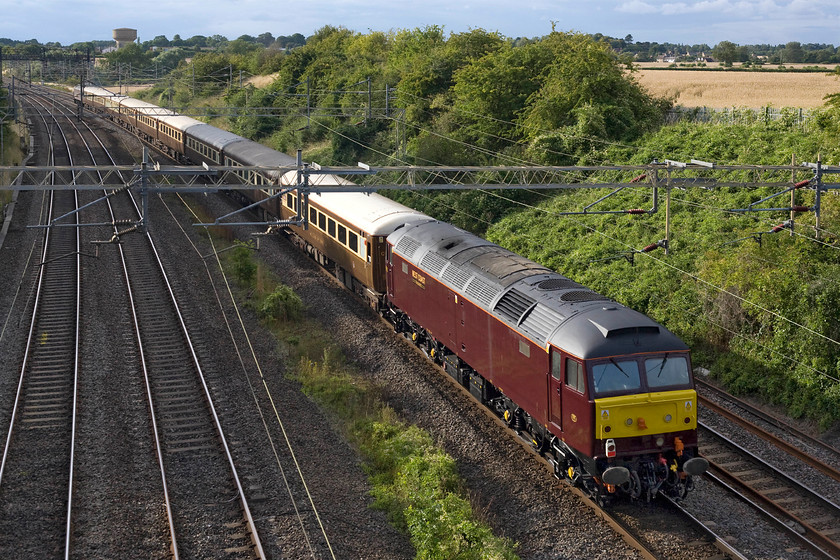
point(540, 322)
point(481, 291)
point(433, 263)
point(407, 246)
point(577, 296)
point(455, 276)
point(513, 304)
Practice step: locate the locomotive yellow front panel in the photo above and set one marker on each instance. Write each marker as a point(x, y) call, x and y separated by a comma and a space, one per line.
point(645, 414)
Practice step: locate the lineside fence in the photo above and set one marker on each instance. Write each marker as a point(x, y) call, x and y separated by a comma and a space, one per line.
point(791, 116)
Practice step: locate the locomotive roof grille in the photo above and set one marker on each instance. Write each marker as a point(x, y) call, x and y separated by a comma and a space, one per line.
point(558, 284)
point(408, 246)
point(455, 276)
point(650, 329)
point(540, 321)
point(513, 305)
point(578, 296)
point(433, 262)
point(481, 291)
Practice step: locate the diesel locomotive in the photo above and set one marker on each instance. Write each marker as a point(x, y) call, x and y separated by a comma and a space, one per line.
point(603, 392)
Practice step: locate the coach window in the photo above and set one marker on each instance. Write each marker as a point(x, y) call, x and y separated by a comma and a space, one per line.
point(574, 376)
point(353, 241)
point(288, 200)
point(331, 227)
point(342, 234)
point(322, 221)
point(313, 216)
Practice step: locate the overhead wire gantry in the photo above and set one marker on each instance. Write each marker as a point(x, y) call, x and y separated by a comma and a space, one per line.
point(152, 178)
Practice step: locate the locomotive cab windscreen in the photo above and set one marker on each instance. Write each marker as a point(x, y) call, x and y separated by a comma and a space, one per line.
point(624, 375)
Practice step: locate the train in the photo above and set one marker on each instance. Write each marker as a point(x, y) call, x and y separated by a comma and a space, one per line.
point(604, 393)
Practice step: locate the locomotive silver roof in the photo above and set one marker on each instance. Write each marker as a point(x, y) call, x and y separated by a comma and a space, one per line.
point(539, 303)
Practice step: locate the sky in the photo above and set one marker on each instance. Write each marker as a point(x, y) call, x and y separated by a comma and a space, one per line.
point(687, 22)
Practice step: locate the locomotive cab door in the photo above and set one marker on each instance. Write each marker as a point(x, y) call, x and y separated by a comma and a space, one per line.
point(555, 389)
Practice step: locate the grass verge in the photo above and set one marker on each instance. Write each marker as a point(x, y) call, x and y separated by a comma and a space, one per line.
point(413, 481)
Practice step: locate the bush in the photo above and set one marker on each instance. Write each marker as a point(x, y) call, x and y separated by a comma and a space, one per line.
point(244, 267)
point(283, 304)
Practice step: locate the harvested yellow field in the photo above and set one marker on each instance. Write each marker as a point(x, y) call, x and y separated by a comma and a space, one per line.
point(722, 89)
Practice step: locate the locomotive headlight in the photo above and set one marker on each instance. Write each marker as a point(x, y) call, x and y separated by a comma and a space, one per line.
point(629, 422)
point(668, 418)
point(660, 441)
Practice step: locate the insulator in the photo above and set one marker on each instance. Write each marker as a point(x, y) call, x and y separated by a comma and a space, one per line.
point(778, 228)
point(801, 184)
point(801, 208)
point(636, 211)
point(639, 178)
point(650, 248)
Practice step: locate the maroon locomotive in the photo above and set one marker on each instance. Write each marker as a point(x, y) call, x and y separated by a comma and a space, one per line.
point(603, 391)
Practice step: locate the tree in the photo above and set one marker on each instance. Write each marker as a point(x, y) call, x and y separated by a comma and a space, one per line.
point(160, 41)
point(132, 54)
point(265, 39)
point(726, 52)
point(793, 52)
point(585, 95)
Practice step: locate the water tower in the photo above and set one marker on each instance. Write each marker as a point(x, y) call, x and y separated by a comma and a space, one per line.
point(124, 36)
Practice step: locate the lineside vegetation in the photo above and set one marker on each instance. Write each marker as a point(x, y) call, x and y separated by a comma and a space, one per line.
point(763, 318)
point(412, 480)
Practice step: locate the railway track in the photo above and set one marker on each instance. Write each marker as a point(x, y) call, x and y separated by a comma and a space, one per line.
point(204, 508)
point(207, 512)
point(205, 502)
point(793, 441)
point(806, 515)
point(36, 472)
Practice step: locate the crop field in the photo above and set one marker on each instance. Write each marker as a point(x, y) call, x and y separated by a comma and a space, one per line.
point(722, 89)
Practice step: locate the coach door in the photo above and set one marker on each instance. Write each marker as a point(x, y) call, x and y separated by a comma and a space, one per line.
point(555, 389)
point(389, 268)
